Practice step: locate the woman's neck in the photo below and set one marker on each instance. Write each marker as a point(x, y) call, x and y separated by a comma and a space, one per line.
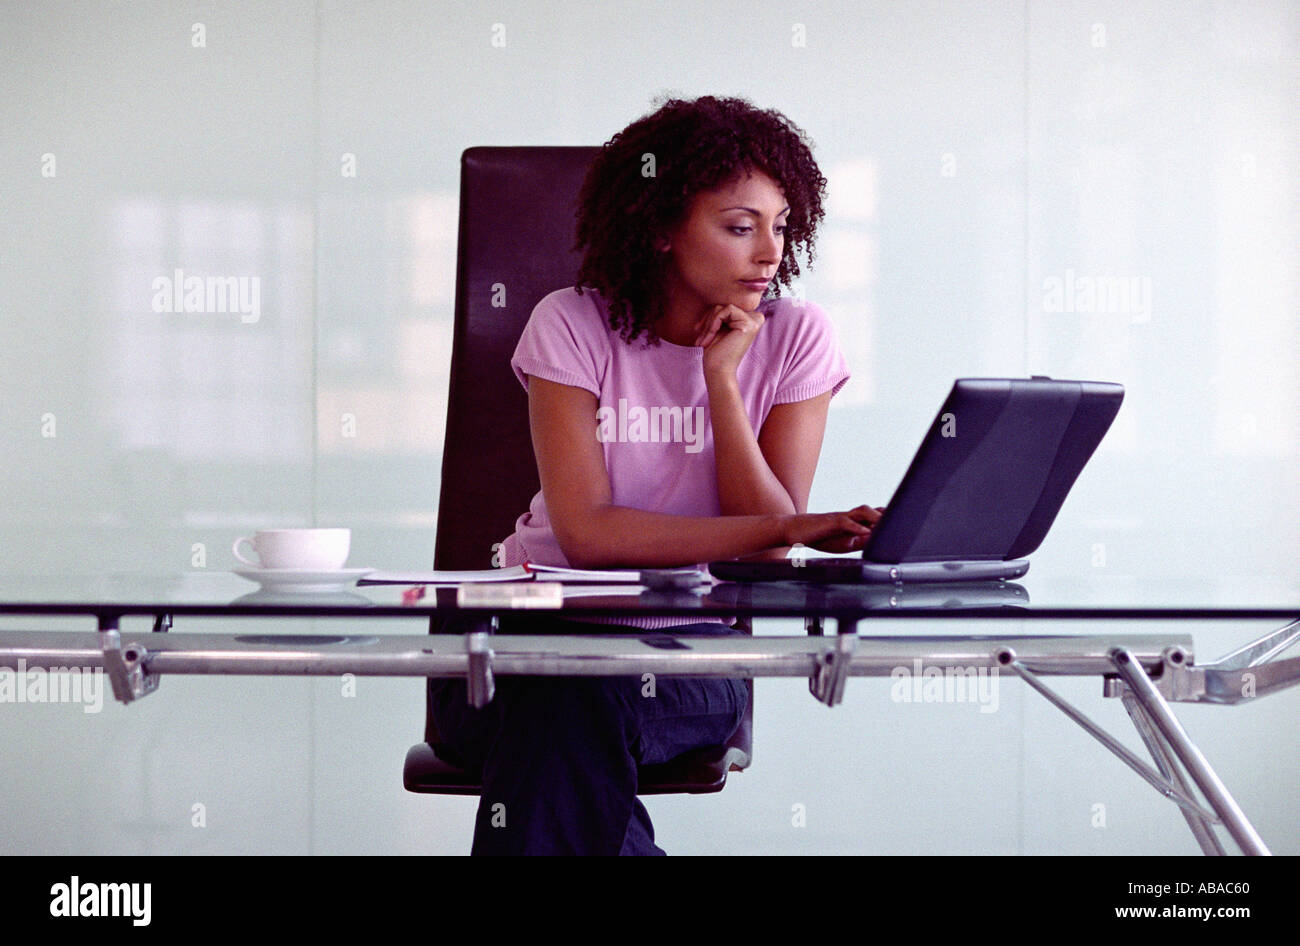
point(682, 319)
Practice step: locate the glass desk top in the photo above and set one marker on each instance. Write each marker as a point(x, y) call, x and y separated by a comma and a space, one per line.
point(214, 593)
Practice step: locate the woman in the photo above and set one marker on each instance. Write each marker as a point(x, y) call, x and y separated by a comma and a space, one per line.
point(677, 407)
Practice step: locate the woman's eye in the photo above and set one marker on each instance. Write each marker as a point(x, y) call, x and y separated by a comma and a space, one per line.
point(740, 230)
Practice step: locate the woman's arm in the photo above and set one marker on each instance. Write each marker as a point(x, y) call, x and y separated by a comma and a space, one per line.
point(770, 473)
point(594, 533)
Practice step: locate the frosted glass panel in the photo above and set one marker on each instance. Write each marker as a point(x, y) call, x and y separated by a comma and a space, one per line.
point(226, 301)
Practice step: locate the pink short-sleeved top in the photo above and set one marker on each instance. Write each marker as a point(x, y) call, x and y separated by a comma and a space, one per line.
point(652, 405)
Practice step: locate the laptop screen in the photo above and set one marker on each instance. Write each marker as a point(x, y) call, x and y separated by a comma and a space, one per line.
point(994, 469)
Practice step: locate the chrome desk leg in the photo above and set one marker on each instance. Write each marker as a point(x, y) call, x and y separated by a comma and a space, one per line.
point(1145, 692)
point(1257, 651)
point(127, 671)
point(479, 684)
point(1169, 768)
point(832, 670)
point(1160, 783)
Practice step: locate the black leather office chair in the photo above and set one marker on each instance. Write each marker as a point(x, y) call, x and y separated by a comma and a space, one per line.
point(517, 208)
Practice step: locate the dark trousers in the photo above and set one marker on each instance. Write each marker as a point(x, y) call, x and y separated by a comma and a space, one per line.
point(559, 755)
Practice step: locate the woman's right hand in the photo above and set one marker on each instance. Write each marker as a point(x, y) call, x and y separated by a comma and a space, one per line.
point(836, 532)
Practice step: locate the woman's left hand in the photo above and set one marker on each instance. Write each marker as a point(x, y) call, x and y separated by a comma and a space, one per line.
point(725, 336)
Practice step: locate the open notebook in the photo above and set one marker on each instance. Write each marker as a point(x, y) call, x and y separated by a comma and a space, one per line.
point(531, 571)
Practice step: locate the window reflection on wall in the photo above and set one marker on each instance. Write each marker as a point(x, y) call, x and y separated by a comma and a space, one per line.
point(1254, 337)
point(846, 266)
point(210, 355)
point(386, 335)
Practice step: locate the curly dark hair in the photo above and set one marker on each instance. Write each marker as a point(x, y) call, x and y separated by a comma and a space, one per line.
point(697, 145)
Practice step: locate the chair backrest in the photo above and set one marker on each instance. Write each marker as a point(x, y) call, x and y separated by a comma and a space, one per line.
point(517, 215)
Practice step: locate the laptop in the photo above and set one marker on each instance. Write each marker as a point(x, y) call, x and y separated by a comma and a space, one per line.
point(981, 492)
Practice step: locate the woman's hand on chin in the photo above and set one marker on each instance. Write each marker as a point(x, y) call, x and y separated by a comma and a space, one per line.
point(725, 335)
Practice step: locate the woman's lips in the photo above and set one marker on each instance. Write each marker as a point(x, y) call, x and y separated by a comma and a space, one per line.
point(757, 285)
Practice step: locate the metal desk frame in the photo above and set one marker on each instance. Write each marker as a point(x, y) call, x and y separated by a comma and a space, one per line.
point(1146, 672)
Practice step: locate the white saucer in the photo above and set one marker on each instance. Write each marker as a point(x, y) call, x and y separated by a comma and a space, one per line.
point(302, 579)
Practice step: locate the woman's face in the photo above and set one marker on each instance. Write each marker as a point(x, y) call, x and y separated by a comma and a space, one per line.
point(731, 235)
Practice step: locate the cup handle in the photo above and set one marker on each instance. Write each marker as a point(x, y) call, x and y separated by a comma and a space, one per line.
point(235, 551)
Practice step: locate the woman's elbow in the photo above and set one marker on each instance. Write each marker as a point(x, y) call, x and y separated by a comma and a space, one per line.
point(578, 556)
point(581, 545)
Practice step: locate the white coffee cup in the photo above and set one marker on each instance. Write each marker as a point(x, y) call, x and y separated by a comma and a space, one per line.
point(302, 549)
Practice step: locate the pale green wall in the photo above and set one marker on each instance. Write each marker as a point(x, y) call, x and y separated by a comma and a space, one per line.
point(975, 153)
